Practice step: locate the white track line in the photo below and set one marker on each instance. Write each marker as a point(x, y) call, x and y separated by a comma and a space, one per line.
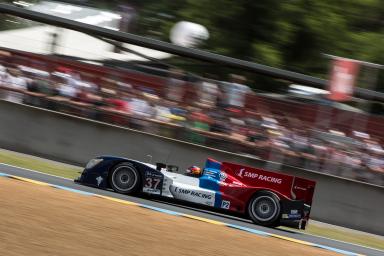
point(340, 241)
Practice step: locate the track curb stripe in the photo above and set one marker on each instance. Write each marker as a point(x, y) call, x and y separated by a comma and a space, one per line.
point(72, 190)
point(159, 209)
point(116, 200)
point(203, 219)
point(28, 180)
point(250, 230)
point(292, 240)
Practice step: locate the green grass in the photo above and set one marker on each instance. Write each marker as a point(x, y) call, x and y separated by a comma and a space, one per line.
point(71, 172)
point(39, 164)
point(342, 234)
point(347, 236)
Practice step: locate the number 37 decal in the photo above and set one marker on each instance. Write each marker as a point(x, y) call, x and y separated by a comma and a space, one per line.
point(152, 183)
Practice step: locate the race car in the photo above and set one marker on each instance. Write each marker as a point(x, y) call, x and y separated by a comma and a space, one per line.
point(267, 198)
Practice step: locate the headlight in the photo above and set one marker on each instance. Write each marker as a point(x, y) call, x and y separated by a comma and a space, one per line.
point(92, 163)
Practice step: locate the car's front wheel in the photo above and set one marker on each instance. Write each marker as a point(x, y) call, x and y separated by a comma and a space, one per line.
point(124, 178)
point(264, 209)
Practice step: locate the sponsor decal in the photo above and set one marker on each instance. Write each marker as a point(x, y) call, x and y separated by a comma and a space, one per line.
point(300, 188)
point(242, 173)
point(153, 174)
point(99, 180)
point(294, 216)
point(225, 204)
point(151, 191)
point(193, 193)
point(294, 211)
point(210, 173)
point(291, 216)
point(223, 176)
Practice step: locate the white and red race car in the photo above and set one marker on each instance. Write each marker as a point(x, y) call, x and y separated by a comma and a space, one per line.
point(268, 198)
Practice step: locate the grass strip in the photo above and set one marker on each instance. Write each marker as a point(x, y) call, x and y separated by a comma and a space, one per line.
point(39, 164)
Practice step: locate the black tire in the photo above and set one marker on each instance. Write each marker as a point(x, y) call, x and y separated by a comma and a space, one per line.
point(124, 178)
point(264, 209)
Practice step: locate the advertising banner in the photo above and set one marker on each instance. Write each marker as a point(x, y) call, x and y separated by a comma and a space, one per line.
point(343, 76)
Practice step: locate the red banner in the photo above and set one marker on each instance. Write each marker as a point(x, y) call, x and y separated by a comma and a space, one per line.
point(343, 76)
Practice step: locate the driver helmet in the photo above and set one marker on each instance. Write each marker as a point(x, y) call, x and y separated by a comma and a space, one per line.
point(194, 170)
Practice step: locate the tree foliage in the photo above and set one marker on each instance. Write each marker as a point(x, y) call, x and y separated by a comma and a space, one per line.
point(290, 34)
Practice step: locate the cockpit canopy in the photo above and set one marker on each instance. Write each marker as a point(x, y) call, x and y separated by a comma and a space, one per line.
point(211, 166)
point(169, 168)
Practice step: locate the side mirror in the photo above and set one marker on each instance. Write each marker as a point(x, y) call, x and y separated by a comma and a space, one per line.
point(160, 166)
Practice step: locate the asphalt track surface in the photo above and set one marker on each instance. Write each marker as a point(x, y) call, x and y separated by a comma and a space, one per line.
point(190, 210)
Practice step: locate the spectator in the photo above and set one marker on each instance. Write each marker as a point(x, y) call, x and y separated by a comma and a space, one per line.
point(3, 73)
point(220, 122)
point(66, 88)
point(199, 121)
point(176, 86)
point(40, 86)
point(236, 92)
point(238, 131)
point(352, 165)
point(142, 110)
point(16, 82)
point(141, 107)
point(305, 150)
point(376, 161)
point(43, 85)
point(208, 92)
point(162, 112)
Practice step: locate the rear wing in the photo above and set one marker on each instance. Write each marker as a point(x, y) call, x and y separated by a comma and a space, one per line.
point(292, 187)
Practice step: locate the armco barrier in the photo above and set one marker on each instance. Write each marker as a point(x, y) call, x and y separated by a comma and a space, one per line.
point(75, 140)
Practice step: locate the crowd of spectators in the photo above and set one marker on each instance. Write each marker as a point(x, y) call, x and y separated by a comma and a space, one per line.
point(208, 112)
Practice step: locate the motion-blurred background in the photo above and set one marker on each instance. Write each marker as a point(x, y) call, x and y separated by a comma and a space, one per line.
point(337, 128)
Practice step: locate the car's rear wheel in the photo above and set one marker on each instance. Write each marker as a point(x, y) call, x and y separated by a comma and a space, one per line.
point(124, 178)
point(264, 209)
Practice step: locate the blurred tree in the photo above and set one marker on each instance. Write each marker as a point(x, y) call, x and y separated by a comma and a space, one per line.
point(292, 34)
